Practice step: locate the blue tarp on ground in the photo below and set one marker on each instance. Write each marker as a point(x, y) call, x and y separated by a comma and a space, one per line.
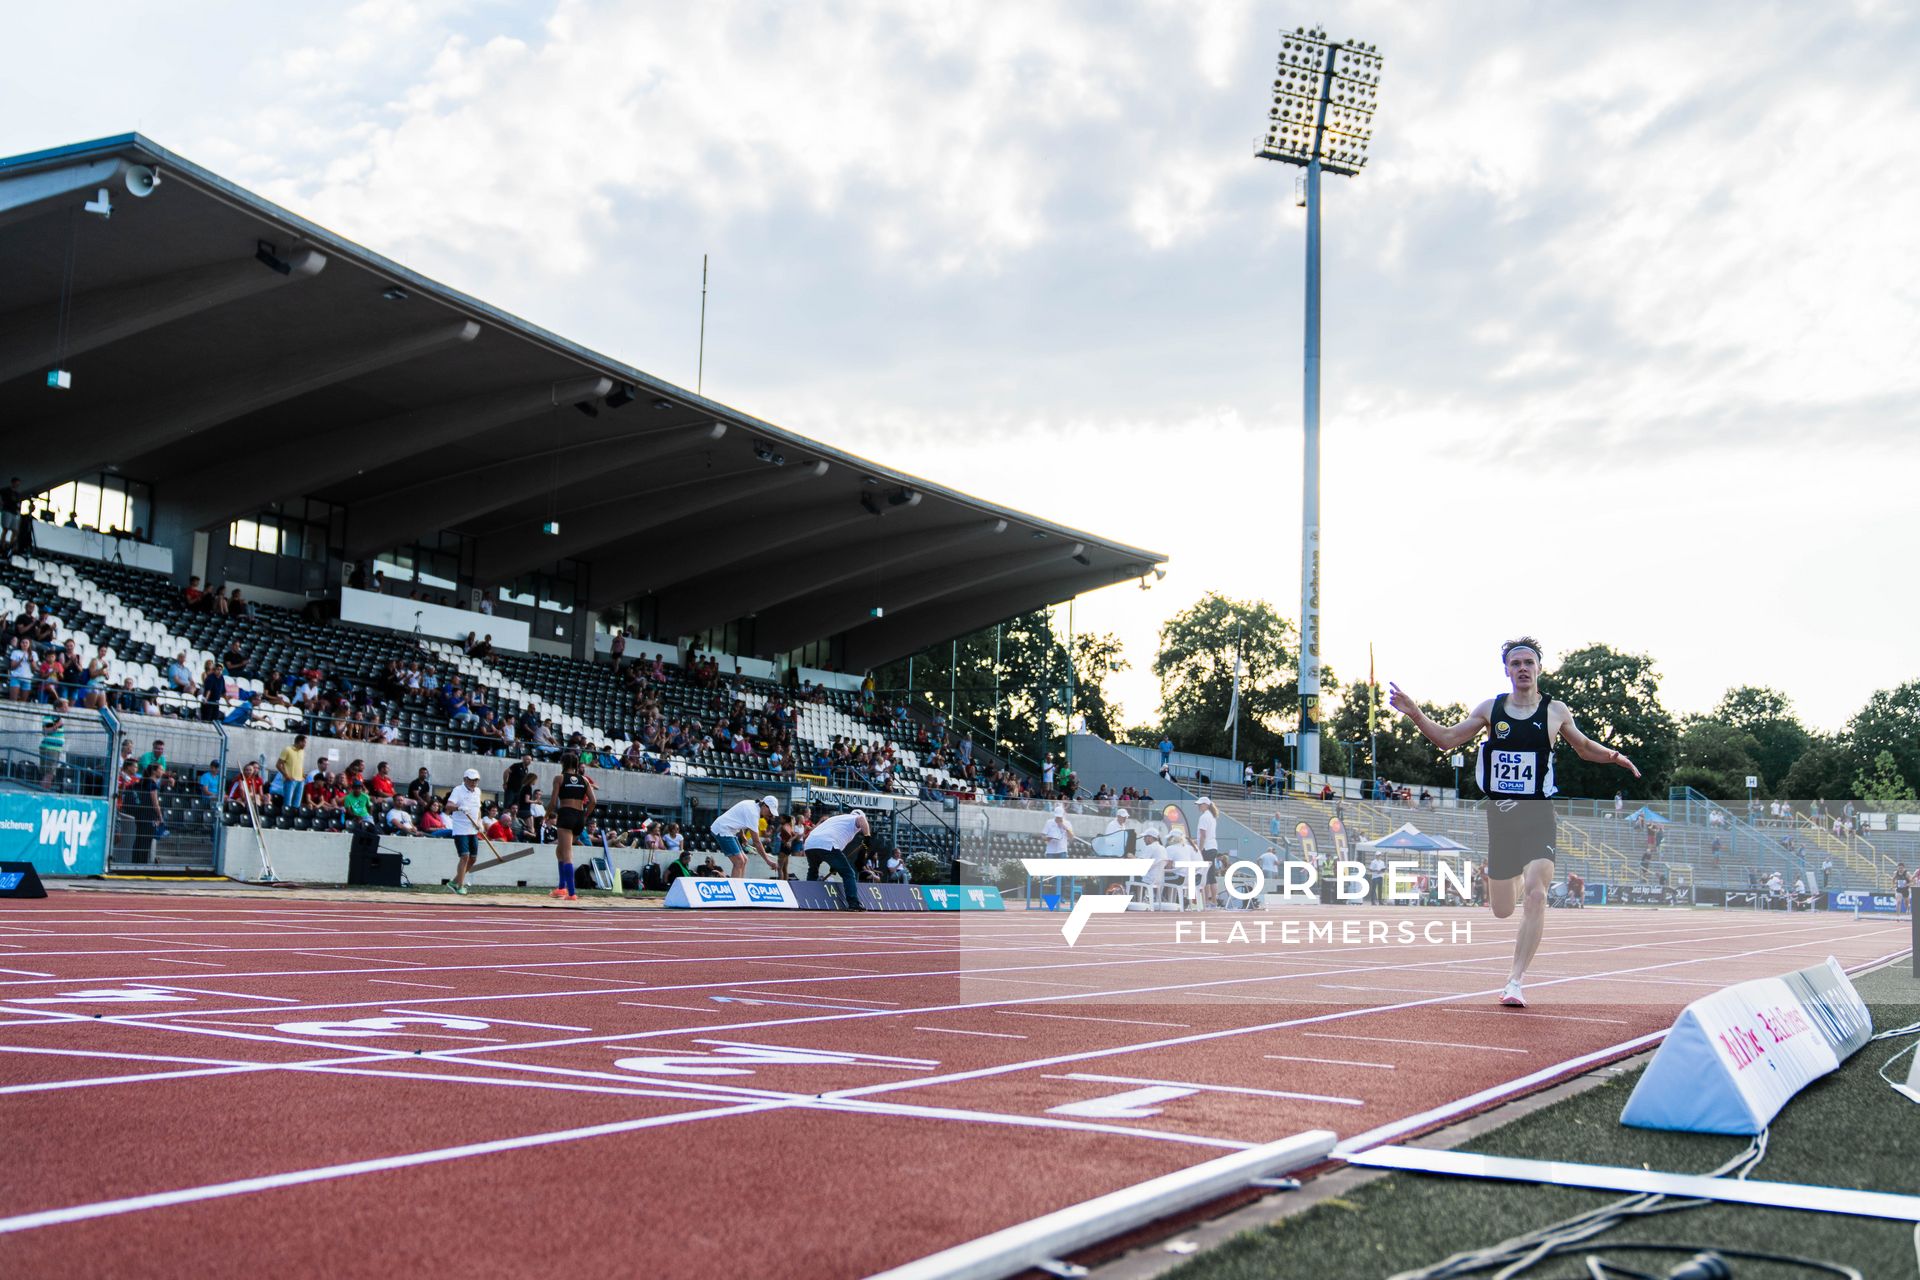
point(1645, 814)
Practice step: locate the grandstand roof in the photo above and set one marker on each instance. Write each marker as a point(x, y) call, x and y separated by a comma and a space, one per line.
point(233, 354)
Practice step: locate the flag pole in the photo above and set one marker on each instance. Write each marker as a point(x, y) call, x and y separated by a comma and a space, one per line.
point(1373, 721)
point(1233, 708)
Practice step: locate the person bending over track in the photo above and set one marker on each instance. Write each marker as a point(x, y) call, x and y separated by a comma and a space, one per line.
point(573, 799)
point(1514, 769)
point(463, 819)
point(742, 823)
point(835, 842)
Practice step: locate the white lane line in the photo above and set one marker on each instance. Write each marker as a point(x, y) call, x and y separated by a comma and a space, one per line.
point(325, 1173)
point(1080, 1017)
point(684, 1008)
point(1530, 1013)
point(208, 991)
point(1211, 1088)
point(27, 973)
point(204, 964)
point(573, 977)
point(46, 1086)
point(1331, 1062)
point(505, 1022)
point(1430, 1044)
point(868, 1057)
point(841, 999)
point(955, 1031)
point(395, 982)
point(1407, 1124)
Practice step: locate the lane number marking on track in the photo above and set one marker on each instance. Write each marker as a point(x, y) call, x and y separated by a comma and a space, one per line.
point(742, 1059)
point(379, 1026)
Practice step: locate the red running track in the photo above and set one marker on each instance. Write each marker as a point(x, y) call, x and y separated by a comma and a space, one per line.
point(220, 1084)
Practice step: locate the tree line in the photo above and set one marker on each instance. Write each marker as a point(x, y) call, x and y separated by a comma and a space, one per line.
point(1016, 685)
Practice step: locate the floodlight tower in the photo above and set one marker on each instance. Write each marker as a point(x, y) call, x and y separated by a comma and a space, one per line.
point(1321, 120)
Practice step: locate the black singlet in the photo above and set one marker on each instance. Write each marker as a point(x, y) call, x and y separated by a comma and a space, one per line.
point(573, 786)
point(1517, 758)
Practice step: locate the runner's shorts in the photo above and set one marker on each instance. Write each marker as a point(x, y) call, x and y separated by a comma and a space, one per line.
point(574, 820)
point(1519, 830)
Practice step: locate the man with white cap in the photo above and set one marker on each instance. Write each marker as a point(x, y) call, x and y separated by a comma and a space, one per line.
point(463, 819)
point(742, 823)
point(834, 842)
point(1207, 828)
point(1058, 835)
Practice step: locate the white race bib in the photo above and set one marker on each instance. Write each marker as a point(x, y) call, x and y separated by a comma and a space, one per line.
point(1510, 773)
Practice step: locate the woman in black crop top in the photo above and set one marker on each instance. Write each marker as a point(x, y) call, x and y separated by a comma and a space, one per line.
point(573, 800)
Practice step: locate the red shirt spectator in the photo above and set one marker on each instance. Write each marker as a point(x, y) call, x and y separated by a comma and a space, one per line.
point(380, 784)
point(498, 830)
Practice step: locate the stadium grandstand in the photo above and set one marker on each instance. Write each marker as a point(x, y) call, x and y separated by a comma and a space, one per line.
point(273, 483)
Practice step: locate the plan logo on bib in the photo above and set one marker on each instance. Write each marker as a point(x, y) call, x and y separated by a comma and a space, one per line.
point(70, 828)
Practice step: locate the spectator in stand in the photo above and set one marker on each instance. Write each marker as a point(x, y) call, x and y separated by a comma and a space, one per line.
point(897, 868)
point(156, 756)
point(400, 818)
point(618, 648)
point(249, 786)
point(485, 648)
point(380, 785)
point(290, 772)
point(180, 677)
point(9, 511)
point(53, 750)
point(20, 670)
point(357, 804)
point(212, 692)
point(235, 658)
point(325, 790)
point(420, 790)
point(209, 779)
point(148, 818)
point(99, 679)
point(433, 819)
point(191, 595)
point(134, 701)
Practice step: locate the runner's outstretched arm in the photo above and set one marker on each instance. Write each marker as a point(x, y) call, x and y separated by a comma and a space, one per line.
point(1444, 736)
point(1587, 749)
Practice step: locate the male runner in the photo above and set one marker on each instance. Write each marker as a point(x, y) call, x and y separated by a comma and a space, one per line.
point(835, 842)
point(1514, 769)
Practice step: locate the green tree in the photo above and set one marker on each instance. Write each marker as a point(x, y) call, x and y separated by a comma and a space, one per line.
point(1884, 789)
point(1096, 659)
point(1890, 724)
point(1716, 759)
point(1615, 699)
point(1195, 666)
point(1015, 677)
point(1405, 756)
point(1768, 716)
point(1825, 769)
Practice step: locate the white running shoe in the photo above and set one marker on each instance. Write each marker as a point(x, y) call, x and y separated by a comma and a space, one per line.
point(1511, 997)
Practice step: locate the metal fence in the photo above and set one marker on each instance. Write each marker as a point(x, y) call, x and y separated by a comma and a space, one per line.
point(58, 752)
point(180, 825)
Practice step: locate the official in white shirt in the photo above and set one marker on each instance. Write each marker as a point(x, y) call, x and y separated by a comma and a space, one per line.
point(741, 825)
point(834, 842)
point(1208, 827)
point(463, 819)
point(1058, 835)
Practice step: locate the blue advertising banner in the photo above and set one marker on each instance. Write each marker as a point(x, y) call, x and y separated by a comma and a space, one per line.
point(1848, 899)
point(59, 835)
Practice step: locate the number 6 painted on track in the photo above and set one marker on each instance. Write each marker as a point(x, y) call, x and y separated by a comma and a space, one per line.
point(378, 1026)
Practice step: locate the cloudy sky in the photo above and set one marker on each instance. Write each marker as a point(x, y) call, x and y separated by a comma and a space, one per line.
point(1621, 330)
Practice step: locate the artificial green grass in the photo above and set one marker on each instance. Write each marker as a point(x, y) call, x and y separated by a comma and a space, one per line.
point(1846, 1130)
